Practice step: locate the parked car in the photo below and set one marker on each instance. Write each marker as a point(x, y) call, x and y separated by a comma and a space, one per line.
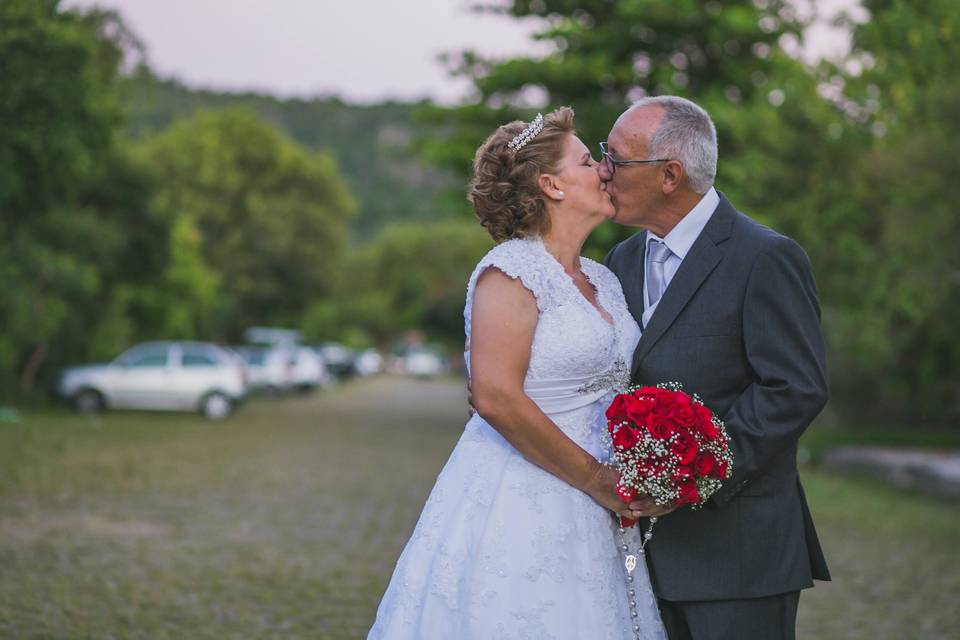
point(368, 363)
point(308, 371)
point(423, 362)
point(338, 358)
point(270, 369)
point(164, 376)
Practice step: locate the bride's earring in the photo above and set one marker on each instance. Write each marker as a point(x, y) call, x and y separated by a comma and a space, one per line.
point(560, 194)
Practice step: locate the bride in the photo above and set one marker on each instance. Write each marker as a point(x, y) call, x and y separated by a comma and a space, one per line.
point(516, 539)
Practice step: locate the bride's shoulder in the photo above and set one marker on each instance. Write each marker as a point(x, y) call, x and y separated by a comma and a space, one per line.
point(520, 259)
point(508, 249)
point(516, 258)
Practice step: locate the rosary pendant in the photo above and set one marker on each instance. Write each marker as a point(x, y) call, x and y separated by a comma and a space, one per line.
point(630, 562)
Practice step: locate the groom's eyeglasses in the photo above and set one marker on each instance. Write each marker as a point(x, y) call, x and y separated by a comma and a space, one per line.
point(610, 163)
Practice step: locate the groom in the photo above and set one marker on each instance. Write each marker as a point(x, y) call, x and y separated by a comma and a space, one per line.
point(729, 308)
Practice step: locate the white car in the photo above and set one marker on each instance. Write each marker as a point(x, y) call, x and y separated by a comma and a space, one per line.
point(423, 363)
point(308, 371)
point(368, 363)
point(164, 376)
point(270, 369)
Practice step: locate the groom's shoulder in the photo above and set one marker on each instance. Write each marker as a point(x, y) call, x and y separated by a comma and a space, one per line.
point(754, 239)
point(625, 251)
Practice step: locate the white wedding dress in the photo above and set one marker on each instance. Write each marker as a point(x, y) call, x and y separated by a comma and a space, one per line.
point(504, 549)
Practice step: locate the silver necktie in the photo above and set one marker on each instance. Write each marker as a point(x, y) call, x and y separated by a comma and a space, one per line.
point(657, 254)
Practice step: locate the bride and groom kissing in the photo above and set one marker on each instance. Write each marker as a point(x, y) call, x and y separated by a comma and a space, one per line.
point(516, 539)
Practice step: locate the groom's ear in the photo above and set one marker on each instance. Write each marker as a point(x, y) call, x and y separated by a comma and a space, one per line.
point(672, 176)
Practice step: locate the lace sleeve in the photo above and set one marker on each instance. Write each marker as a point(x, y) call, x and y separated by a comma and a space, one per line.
point(518, 259)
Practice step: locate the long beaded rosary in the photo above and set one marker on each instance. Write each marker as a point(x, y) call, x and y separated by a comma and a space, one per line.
point(630, 564)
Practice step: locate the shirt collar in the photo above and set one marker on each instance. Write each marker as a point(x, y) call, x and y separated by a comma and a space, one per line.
point(682, 236)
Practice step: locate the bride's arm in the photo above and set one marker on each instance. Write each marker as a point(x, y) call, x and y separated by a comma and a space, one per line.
point(503, 322)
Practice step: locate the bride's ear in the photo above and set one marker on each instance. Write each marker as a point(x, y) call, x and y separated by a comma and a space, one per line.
point(550, 186)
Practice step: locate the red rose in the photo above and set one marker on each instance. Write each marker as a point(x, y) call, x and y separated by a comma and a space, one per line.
point(688, 493)
point(660, 427)
point(705, 423)
point(684, 447)
point(684, 414)
point(645, 392)
point(721, 470)
point(638, 409)
point(704, 464)
point(665, 401)
point(625, 437)
point(618, 408)
point(626, 494)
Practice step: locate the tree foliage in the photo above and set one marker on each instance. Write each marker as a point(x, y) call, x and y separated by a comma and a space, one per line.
point(412, 276)
point(226, 210)
point(894, 285)
point(371, 143)
point(854, 160)
point(74, 215)
point(264, 218)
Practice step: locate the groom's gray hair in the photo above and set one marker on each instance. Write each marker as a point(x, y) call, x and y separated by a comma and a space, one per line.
point(685, 133)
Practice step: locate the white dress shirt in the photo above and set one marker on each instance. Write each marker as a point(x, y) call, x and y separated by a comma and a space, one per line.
point(679, 241)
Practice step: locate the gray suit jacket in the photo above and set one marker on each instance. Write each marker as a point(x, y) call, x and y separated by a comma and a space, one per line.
point(739, 325)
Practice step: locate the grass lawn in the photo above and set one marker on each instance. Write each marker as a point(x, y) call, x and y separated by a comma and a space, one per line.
point(285, 522)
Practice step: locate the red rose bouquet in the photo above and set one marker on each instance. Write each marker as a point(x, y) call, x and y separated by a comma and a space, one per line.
point(668, 445)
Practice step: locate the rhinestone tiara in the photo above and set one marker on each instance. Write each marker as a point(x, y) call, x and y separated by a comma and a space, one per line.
point(527, 134)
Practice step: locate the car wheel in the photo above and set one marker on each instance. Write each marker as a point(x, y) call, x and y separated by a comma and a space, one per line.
point(216, 406)
point(88, 401)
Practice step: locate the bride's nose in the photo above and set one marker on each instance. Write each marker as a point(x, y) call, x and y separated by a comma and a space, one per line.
point(602, 173)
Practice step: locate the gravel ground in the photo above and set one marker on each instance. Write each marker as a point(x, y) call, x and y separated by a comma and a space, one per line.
point(285, 522)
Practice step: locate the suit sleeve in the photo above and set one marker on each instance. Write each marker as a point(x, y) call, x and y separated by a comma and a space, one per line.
point(784, 347)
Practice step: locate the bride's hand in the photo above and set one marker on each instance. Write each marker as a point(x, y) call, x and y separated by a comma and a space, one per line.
point(603, 490)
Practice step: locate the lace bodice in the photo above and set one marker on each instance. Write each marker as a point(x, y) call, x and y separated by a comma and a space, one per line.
point(572, 339)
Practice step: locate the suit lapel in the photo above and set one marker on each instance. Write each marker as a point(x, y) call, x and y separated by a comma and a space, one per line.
point(700, 261)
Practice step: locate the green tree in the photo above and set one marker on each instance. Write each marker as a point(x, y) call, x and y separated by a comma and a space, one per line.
point(895, 275)
point(269, 217)
point(74, 217)
point(371, 143)
point(412, 276)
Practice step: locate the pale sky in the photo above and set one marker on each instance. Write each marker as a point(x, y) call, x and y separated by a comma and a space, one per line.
point(361, 50)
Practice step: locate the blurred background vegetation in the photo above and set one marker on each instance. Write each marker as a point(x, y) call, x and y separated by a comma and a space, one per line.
point(133, 208)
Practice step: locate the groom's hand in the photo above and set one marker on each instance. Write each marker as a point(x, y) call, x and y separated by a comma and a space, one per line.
point(648, 508)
